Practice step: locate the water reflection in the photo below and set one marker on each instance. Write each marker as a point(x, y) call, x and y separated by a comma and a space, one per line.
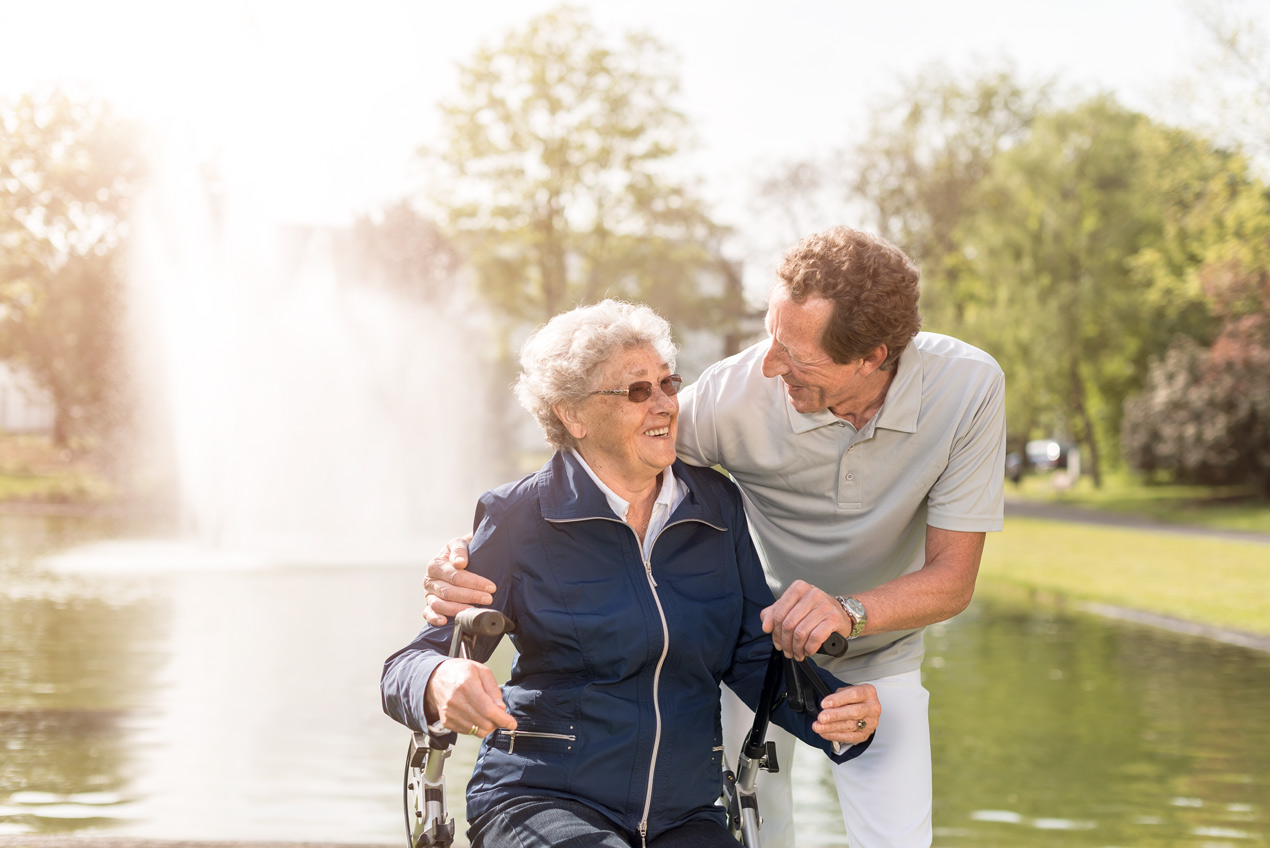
point(1060, 729)
point(242, 702)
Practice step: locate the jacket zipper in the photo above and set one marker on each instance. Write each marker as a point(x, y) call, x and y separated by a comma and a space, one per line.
point(665, 644)
point(665, 649)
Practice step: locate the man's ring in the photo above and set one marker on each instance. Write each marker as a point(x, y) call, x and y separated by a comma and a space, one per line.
point(472, 732)
point(861, 724)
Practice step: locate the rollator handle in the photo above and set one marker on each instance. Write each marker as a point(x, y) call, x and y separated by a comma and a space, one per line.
point(477, 631)
point(428, 823)
point(484, 622)
point(834, 646)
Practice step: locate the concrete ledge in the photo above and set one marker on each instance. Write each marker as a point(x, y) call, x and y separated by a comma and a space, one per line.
point(1255, 641)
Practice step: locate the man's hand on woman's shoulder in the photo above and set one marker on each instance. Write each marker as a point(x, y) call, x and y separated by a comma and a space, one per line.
point(450, 587)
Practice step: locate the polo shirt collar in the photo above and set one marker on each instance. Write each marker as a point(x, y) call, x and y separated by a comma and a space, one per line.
point(899, 411)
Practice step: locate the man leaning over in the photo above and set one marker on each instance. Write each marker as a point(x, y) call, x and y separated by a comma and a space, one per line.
point(870, 458)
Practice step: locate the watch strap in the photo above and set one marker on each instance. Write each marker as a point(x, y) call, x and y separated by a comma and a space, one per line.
point(856, 612)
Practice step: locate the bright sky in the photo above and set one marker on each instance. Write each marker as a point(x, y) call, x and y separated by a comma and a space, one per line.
point(329, 100)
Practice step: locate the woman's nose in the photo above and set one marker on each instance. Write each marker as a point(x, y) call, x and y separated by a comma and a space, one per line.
point(663, 402)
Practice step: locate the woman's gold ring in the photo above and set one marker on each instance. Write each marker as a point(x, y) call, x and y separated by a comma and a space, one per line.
point(472, 732)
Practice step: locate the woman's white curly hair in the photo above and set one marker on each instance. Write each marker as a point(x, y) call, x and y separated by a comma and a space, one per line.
point(562, 361)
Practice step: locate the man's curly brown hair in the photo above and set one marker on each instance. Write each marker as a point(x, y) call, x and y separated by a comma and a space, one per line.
point(873, 287)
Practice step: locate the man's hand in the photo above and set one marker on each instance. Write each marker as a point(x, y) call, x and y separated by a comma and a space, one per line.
point(450, 588)
point(802, 619)
point(465, 697)
point(842, 712)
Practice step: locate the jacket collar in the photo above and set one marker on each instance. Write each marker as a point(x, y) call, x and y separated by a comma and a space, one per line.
point(567, 493)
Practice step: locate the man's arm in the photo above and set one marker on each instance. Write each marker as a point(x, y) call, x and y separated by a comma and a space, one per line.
point(804, 616)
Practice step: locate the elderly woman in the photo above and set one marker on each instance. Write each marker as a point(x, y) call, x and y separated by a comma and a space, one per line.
point(635, 589)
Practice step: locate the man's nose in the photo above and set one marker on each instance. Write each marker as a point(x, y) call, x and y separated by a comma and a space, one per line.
point(773, 362)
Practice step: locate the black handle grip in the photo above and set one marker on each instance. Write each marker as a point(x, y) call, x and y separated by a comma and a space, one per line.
point(834, 646)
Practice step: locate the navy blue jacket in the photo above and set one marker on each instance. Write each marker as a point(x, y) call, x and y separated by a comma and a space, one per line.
point(592, 622)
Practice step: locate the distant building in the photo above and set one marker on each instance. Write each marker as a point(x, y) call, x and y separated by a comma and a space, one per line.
point(24, 406)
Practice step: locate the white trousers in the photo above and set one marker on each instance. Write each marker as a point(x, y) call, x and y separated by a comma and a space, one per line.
point(885, 793)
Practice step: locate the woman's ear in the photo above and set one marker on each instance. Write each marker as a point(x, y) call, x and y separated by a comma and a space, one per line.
point(569, 418)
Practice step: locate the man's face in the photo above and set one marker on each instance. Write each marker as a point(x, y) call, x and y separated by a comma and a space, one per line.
point(813, 380)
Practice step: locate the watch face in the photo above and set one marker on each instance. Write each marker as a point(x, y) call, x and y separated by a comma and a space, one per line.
point(856, 609)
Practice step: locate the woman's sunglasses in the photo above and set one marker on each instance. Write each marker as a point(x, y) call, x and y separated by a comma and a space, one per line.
point(643, 390)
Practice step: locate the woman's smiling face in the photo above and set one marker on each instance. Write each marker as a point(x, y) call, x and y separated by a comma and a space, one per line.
point(633, 440)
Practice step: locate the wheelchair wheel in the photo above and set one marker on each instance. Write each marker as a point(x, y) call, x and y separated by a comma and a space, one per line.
point(427, 823)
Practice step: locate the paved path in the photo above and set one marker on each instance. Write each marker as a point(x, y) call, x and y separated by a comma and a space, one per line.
point(1083, 515)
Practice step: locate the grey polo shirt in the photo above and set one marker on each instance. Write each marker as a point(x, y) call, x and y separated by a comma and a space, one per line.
point(847, 510)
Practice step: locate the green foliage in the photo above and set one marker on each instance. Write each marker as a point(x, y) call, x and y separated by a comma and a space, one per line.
point(67, 169)
point(926, 153)
point(556, 178)
point(1072, 244)
point(1063, 233)
point(1204, 415)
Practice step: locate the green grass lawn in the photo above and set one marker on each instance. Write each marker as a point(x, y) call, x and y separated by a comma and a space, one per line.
point(1207, 580)
point(1218, 507)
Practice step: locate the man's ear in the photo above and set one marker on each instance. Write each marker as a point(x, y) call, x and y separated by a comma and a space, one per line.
point(873, 360)
point(569, 418)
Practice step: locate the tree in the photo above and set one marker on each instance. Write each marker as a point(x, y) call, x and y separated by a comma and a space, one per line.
point(1231, 90)
point(67, 169)
point(926, 152)
point(1064, 232)
point(1204, 414)
point(1204, 417)
point(557, 179)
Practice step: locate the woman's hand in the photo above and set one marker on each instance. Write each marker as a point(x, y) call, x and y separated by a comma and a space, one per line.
point(842, 712)
point(465, 698)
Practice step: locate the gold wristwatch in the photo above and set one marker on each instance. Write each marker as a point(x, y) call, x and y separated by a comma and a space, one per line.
point(854, 609)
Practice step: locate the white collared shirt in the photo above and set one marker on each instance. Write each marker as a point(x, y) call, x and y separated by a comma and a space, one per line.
point(673, 491)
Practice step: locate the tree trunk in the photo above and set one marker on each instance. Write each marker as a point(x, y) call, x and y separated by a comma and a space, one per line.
point(1082, 412)
point(61, 433)
point(733, 292)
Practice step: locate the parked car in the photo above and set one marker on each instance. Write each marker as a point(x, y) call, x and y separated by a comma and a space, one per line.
point(1046, 454)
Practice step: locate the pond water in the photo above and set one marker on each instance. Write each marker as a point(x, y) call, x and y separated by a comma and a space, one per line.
point(155, 689)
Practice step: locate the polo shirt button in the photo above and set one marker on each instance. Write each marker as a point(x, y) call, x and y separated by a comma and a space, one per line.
point(850, 476)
